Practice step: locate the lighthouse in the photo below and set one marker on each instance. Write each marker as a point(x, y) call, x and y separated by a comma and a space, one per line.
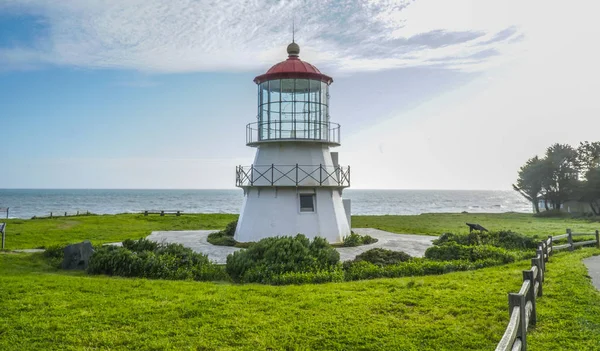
point(295, 183)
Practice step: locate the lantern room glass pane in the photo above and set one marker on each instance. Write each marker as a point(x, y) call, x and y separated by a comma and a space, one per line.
point(293, 108)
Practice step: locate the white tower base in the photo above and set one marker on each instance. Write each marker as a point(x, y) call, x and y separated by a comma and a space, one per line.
point(275, 211)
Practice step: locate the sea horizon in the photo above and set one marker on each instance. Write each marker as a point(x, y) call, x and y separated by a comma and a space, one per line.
point(27, 203)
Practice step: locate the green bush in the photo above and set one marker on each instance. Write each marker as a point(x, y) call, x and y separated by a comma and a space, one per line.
point(225, 236)
point(383, 257)
point(55, 252)
point(452, 251)
point(169, 261)
point(140, 245)
point(220, 239)
point(230, 228)
point(270, 257)
point(505, 238)
point(354, 239)
point(415, 267)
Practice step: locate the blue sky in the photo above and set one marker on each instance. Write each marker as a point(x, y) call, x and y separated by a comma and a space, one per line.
point(156, 93)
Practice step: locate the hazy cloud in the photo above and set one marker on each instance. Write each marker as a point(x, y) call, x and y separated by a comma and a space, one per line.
point(225, 35)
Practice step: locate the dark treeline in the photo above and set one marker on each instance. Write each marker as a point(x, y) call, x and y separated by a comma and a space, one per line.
point(563, 174)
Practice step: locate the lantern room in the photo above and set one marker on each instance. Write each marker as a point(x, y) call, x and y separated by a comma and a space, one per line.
point(293, 104)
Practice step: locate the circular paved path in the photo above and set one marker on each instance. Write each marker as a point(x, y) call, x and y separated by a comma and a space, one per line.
point(414, 245)
point(593, 266)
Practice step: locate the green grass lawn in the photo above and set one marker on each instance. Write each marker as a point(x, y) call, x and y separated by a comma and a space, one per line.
point(44, 232)
point(42, 308)
point(34, 233)
point(439, 223)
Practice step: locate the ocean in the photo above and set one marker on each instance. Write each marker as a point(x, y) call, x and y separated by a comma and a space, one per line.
point(26, 203)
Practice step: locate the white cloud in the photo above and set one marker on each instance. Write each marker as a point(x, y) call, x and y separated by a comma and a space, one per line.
point(186, 35)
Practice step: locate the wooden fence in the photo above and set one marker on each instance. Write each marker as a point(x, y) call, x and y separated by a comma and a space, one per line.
point(522, 305)
point(64, 214)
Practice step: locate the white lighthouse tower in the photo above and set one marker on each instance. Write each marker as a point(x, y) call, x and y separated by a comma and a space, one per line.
point(295, 183)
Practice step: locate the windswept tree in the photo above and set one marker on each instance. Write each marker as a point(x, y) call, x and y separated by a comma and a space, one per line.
point(530, 181)
point(561, 174)
point(589, 158)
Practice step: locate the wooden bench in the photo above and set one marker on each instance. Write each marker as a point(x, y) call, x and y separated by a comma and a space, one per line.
point(2, 230)
point(162, 212)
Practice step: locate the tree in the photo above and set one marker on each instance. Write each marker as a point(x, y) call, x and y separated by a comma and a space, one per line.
point(589, 155)
point(530, 181)
point(560, 178)
point(589, 158)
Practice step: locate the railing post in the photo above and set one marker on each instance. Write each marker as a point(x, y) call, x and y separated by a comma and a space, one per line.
point(598, 239)
point(528, 275)
point(540, 278)
point(570, 238)
point(320, 174)
point(348, 175)
point(515, 300)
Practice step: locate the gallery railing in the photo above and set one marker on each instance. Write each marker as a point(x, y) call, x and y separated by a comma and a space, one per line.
point(292, 175)
point(326, 132)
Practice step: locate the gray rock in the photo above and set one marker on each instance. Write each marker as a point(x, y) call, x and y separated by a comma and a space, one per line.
point(77, 256)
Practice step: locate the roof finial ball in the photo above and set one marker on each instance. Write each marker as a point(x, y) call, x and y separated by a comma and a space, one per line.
point(293, 50)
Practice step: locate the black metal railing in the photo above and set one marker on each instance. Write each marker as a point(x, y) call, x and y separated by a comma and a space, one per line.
point(326, 132)
point(292, 175)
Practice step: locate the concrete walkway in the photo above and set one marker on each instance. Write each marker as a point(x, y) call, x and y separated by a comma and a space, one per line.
point(593, 266)
point(414, 245)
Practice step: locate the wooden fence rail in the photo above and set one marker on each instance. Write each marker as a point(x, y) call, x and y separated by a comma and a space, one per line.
point(522, 305)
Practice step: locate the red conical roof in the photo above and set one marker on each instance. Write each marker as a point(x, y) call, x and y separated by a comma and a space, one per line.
point(293, 67)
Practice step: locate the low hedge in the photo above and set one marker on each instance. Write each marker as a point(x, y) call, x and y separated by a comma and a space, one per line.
point(168, 261)
point(354, 239)
point(225, 236)
point(415, 267)
point(452, 251)
point(382, 257)
point(505, 239)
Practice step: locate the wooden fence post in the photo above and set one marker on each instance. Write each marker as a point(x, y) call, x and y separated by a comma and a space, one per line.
point(528, 275)
point(3, 230)
point(540, 255)
point(514, 300)
point(570, 237)
point(545, 251)
point(540, 278)
point(551, 246)
point(597, 239)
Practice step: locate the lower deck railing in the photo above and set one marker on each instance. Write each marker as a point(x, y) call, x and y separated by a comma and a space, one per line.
point(292, 175)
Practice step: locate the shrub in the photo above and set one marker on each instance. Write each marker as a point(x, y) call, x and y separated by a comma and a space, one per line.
point(270, 257)
point(505, 238)
point(230, 228)
point(225, 236)
point(356, 240)
point(166, 261)
point(55, 255)
point(220, 239)
point(55, 252)
point(140, 245)
point(453, 251)
point(415, 267)
point(383, 257)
